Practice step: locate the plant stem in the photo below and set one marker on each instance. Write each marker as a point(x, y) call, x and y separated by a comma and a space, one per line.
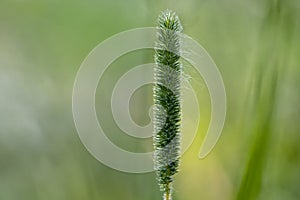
point(167, 193)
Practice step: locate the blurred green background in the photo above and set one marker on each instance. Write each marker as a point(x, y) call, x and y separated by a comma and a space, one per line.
point(255, 44)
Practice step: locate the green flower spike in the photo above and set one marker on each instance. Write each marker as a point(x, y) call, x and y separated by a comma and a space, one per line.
point(167, 108)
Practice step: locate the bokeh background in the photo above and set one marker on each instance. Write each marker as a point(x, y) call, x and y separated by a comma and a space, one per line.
point(255, 44)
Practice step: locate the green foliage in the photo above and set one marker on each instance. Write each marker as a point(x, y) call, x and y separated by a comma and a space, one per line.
point(167, 113)
point(265, 100)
